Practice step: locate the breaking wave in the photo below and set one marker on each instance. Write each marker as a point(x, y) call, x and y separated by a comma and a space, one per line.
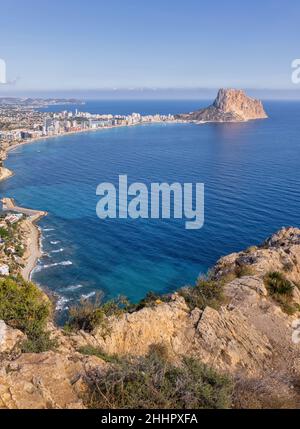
point(57, 251)
point(89, 295)
point(57, 264)
point(71, 288)
point(61, 303)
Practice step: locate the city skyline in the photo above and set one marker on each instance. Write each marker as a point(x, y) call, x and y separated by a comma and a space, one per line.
point(163, 49)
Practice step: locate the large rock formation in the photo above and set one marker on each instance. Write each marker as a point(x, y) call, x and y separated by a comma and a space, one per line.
point(231, 105)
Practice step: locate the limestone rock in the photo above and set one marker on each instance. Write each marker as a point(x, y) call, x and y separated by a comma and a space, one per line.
point(249, 337)
point(227, 341)
point(231, 105)
point(281, 252)
point(10, 339)
point(40, 381)
point(167, 323)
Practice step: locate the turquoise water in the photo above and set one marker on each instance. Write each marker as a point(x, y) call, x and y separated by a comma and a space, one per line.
point(251, 175)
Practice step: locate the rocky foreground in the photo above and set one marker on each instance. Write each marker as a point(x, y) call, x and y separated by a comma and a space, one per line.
point(231, 105)
point(253, 336)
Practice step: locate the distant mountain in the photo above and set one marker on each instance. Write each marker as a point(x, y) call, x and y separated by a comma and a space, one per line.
point(231, 105)
point(17, 101)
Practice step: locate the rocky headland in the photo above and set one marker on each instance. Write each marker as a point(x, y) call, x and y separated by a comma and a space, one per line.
point(231, 105)
point(242, 321)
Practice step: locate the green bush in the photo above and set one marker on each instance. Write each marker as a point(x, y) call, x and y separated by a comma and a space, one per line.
point(206, 293)
point(150, 300)
point(38, 343)
point(278, 284)
point(23, 306)
point(243, 271)
point(94, 351)
point(4, 233)
point(152, 382)
point(90, 314)
point(281, 291)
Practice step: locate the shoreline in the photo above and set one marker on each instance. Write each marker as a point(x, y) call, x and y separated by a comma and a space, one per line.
point(89, 130)
point(33, 234)
point(5, 173)
point(33, 250)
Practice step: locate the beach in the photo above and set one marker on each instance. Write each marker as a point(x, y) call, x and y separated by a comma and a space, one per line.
point(31, 232)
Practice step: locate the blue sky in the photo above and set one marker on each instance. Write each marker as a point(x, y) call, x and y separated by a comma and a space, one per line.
point(91, 44)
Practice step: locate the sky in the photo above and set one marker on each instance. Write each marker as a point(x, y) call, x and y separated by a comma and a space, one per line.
point(76, 45)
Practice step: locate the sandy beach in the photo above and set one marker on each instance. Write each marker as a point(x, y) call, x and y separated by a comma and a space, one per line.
point(33, 251)
point(31, 232)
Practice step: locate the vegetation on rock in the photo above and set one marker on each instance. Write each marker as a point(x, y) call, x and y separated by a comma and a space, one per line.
point(281, 291)
point(91, 314)
point(205, 293)
point(152, 382)
point(23, 306)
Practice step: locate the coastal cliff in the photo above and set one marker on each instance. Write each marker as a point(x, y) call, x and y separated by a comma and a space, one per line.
point(242, 321)
point(231, 105)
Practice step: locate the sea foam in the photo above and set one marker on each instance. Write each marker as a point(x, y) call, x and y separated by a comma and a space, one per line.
point(61, 303)
point(57, 264)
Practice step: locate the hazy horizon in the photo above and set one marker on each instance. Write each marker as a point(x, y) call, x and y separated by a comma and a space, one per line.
point(148, 94)
point(94, 47)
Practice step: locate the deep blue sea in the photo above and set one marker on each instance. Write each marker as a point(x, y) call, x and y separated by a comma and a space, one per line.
point(251, 174)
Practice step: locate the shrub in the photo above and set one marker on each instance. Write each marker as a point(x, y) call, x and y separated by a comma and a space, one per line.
point(243, 271)
point(278, 284)
point(251, 249)
point(205, 293)
point(281, 291)
point(38, 343)
point(4, 233)
point(150, 300)
point(23, 306)
point(94, 351)
point(257, 394)
point(288, 266)
point(151, 382)
point(90, 314)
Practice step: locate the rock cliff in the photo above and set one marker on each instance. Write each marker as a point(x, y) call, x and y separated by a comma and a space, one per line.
point(250, 336)
point(231, 105)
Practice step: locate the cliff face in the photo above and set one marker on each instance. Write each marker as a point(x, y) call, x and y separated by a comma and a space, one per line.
point(250, 336)
point(231, 105)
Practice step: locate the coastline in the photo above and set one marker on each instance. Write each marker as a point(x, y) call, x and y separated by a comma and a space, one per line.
point(32, 232)
point(5, 174)
point(89, 130)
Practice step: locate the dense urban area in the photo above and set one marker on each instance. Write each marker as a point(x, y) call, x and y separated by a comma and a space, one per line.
point(21, 120)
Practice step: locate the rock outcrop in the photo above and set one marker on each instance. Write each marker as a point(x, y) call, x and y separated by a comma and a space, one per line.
point(250, 336)
point(5, 173)
point(10, 339)
point(45, 381)
point(231, 105)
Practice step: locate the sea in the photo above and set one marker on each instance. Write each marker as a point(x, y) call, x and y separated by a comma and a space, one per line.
point(250, 172)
